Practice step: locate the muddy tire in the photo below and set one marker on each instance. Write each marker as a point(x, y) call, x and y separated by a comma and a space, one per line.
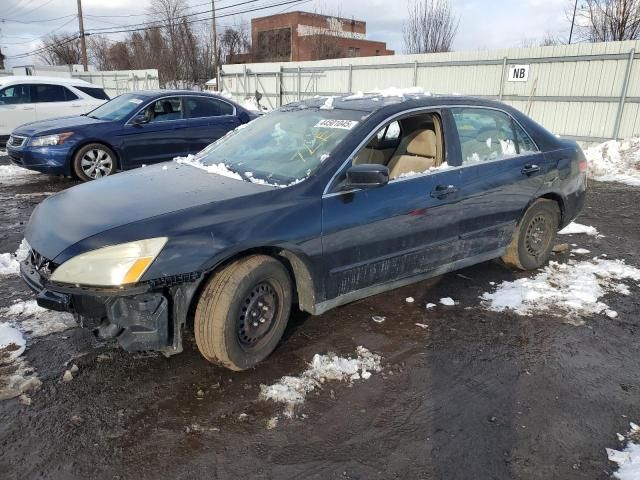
point(534, 236)
point(243, 312)
point(94, 161)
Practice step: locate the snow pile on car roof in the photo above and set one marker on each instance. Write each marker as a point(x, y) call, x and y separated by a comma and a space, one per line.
point(573, 289)
point(615, 161)
point(628, 459)
point(389, 92)
point(292, 391)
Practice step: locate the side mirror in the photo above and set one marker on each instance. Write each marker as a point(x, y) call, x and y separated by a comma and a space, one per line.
point(139, 119)
point(367, 176)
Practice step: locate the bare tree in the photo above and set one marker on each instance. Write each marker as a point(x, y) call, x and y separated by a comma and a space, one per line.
point(432, 27)
point(61, 49)
point(608, 20)
point(233, 42)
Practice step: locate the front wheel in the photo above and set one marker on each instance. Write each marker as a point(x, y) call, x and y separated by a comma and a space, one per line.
point(94, 161)
point(534, 236)
point(243, 312)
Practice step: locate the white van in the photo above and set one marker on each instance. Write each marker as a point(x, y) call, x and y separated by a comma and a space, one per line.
point(25, 99)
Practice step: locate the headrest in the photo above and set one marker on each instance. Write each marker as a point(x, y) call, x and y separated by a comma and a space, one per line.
point(423, 144)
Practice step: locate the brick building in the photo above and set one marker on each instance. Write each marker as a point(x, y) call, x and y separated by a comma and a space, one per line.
point(300, 36)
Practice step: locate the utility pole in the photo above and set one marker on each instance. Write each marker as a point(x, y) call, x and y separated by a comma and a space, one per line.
point(573, 21)
point(214, 41)
point(83, 43)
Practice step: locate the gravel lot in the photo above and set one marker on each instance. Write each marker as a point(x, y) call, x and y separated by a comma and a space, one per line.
point(475, 394)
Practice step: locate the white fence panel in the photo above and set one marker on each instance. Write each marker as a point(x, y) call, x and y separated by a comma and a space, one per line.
point(584, 91)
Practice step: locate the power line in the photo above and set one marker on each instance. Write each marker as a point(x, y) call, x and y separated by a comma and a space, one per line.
point(36, 21)
point(160, 23)
point(127, 30)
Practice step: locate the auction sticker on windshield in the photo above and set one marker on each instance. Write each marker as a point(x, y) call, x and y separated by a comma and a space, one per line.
point(341, 124)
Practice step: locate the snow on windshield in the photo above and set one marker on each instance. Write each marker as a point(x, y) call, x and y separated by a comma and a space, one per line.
point(280, 149)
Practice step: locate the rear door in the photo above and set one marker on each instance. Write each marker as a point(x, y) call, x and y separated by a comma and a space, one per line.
point(208, 119)
point(55, 101)
point(386, 234)
point(17, 107)
point(162, 138)
point(501, 172)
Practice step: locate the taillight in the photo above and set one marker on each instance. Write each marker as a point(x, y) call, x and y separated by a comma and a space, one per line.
point(583, 166)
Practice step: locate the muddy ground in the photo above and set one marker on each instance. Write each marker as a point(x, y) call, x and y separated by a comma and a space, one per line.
point(477, 395)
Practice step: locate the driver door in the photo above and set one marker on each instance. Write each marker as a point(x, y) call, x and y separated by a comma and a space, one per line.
point(17, 107)
point(400, 230)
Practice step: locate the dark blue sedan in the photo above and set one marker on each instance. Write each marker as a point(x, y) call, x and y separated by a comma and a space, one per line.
point(131, 130)
point(317, 204)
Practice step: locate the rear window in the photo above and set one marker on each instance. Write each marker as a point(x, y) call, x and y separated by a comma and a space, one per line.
point(53, 93)
point(94, 92)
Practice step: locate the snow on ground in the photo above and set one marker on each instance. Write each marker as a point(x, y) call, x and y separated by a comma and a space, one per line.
point(12, 343)
point(14, 175)
point(447, 301)
point(10, 262)
point(577, 228)
point(36, 321)
point(252, 105)
point(292, 391)
point(573, 289)
point(615, 161)
point(628, 459)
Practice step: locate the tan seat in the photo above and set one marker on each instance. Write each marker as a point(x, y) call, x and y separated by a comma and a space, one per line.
point(421, 154)
point(369, 156)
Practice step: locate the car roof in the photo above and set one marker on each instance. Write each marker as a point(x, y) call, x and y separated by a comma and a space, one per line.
point(40, 79)
point(371, 102)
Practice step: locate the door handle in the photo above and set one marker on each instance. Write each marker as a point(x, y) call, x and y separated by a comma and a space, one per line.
point(530, 169)
point(28, 108)
point(442, 191)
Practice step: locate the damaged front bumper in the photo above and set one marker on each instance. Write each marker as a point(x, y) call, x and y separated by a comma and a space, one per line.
point(146, 317)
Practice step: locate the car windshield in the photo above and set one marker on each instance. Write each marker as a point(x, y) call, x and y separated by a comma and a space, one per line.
point(284, 146)
point(117, 109)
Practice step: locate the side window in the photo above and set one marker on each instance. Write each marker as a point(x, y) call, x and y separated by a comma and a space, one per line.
point(485, 135)
point(525, 144)
point(15, 95)
point(199, 107)
point(390, 133)
point(53, 93)
point(409, 147)
point(164, 110)
point(93, 92)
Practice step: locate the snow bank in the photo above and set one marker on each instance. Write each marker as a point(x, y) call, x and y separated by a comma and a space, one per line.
point(615, 161)
point(574, 288)
point(628, 459)
point(252, 104)
point(292, 391)
point(10, 262)
point(577, 228)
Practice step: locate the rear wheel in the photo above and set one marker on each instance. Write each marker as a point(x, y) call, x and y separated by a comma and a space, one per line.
point(534, 236)
point(94, 161)
point(243, 312)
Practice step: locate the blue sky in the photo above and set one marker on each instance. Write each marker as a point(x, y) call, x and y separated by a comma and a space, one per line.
point(484, 24)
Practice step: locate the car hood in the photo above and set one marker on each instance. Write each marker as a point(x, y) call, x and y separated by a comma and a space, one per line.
point(55, 125)
point(80, 212)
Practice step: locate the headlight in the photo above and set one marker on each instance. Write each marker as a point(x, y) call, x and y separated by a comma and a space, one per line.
point(110, 266)
point(48, 140)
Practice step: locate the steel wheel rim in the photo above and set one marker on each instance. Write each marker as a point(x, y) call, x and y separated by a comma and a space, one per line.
point(258, 314)
point(96, 163)
point(538, 236)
